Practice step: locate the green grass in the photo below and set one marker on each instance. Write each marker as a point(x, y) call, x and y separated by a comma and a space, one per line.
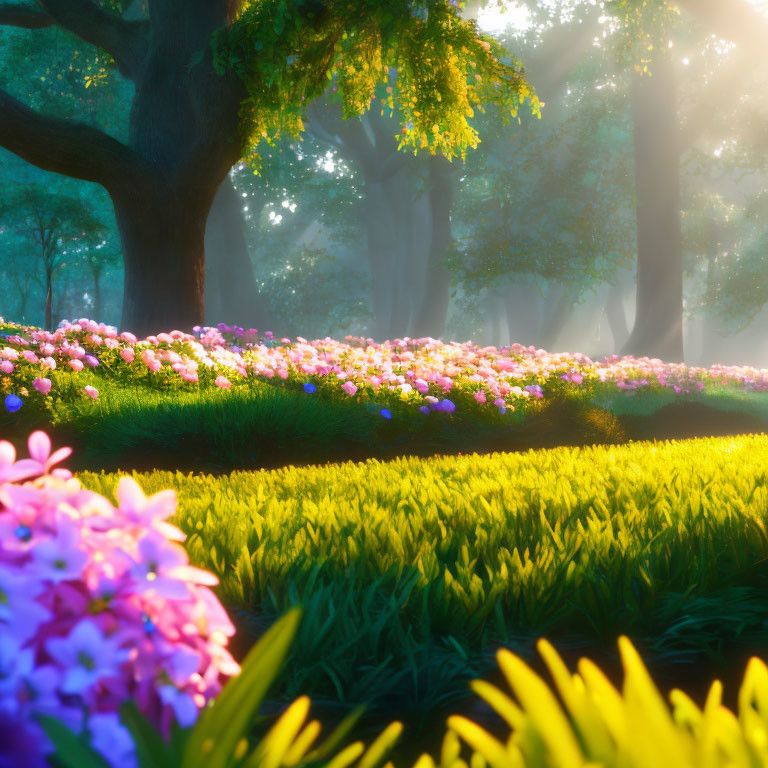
point(412, 572)
point(133, 426)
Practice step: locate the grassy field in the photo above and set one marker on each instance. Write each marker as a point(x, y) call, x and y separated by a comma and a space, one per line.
point(413, 572)
point(135, 426)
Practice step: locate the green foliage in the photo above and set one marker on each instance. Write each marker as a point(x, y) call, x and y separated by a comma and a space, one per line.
point(581, 720)
point(663, 541)
point(421, 57)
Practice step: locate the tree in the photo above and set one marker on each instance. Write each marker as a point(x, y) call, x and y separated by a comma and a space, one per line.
point(214, 77)
point(51, 221)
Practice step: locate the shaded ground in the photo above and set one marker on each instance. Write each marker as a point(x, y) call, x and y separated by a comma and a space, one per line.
point(559, 422)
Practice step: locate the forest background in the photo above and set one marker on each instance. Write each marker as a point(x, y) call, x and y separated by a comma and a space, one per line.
point(536, 238)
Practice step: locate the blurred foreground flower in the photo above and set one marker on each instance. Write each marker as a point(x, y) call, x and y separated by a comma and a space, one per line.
point(98, 605)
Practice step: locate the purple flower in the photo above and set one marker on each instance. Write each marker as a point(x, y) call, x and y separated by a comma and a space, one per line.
point(446, 406)
point(19, 744)
point(86, 655)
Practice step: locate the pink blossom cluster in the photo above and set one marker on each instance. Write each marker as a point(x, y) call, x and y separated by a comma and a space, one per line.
point(417, 372)
point(98, 605)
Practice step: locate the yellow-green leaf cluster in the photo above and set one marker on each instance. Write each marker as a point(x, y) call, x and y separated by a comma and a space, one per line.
point(580, 539)
point(436, 67)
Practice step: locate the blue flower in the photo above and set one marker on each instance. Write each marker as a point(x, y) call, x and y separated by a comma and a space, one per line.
point(23, 533)
point(310, 388)
point(447, 406)
point(12, 403)
point(386, 413)
point(424, 409)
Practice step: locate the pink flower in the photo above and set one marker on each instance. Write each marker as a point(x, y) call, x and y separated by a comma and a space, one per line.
point(223, 382)
point(42, 385)
point(128, 355)
point(92, 392)
point(39, 447)
point(6, 366)
point(29, 356)
point(76, 365)
point(480, 397)
point(349, 388)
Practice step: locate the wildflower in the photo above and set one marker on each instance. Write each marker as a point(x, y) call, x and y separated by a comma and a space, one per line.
point(310, 388)
point(349, 388)
point(385, 412)
point(223, 382)
point(42, 385)
point(76, 365)
point(12, 403)
point(92, 392)
point(86, 656)
point(128, 355)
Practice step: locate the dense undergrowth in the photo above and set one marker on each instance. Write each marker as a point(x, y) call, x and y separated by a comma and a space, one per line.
point(413, 572)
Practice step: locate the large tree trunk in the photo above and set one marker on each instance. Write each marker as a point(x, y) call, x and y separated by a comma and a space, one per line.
point(231, 291)
point(183, 138)
point(163, 253)
point(431, 317)
point(658, 329)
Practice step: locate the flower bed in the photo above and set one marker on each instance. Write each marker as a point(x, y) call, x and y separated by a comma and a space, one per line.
point(98, 604)
point(418, 374)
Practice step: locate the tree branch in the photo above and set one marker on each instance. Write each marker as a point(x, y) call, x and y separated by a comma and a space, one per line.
point(126, 41)
point(65, 147)
point(19, 15)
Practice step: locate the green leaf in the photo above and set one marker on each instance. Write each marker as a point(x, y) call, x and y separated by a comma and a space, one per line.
point(71, 750)
point(226, 722)
point(151, 749)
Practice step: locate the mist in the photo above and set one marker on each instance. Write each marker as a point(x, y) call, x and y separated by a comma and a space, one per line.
point(627, 219)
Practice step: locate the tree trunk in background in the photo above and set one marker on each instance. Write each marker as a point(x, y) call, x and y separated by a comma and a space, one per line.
point(97, 295)
point(711, 331)
point(556, 320)
point(231, 291)
point(48, 300)
point(658, 329)
point(523, 306)
point(382, 256)
point(617, 319)
point(431, 317)
point(400, 188)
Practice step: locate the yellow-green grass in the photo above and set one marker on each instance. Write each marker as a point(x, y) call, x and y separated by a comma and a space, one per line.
point(665, 542)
